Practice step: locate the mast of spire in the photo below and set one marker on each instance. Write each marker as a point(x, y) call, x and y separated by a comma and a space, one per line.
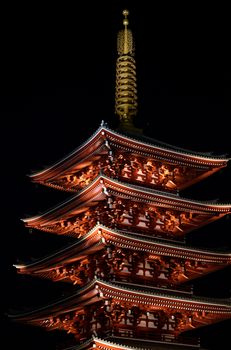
point(126, 92)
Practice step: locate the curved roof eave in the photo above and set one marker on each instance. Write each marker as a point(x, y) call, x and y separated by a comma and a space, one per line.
point(205, 255)
point(122, 292)
point(138, 144)
point(146, 194)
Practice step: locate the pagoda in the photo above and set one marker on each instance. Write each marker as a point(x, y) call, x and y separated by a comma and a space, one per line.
point(127, 264)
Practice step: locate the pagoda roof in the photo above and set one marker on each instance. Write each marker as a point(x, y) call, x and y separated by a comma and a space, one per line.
point(102, 187)
point(101, 236)
point(137, 143)
point(121, 343)
point(97, 290)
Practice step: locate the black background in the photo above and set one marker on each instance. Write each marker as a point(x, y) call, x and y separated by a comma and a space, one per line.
point(58, 83)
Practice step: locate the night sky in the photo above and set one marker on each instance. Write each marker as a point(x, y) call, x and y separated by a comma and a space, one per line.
point(58, 83)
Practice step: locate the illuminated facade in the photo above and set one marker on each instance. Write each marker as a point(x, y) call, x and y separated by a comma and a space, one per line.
point(129, 261)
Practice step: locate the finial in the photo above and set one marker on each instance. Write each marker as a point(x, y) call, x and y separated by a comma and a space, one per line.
point(125, 13)
point(125, 43)
point(125, 21)
point(126, 93)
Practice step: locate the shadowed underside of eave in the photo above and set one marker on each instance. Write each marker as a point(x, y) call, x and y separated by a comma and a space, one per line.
point(76, 170)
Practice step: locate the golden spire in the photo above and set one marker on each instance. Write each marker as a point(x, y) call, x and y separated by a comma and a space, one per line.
point(126, 93)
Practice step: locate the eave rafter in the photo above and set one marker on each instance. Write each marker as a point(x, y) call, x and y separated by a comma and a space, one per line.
point(104, 139)
point(169, 211)
point(204, 310)
point(116, 343)
point(101, 237)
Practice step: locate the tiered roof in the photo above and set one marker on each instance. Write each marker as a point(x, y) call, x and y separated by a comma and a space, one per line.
point(129, 260)
point(104, 140)
point(111, 218)
point(101, 237)
point(129, 206)
point(186, 312)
